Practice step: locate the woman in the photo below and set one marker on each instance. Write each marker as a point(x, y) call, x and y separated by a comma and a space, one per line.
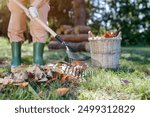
point(17, 26)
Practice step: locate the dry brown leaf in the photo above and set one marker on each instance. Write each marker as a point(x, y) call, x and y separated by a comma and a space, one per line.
point(40, 93)
point(56, 75)
point(24, 84)
point(6, 81)
point(49, 66)
point(62, 91)
point(43, 80)
point(47, 73)
point(66, 77)
point(51, 80)
point(21, 76)
point(1, 87)
point(39, 73)
point(1, 75)
point(30, 75)
point(11, 76)
point(50, 74)
point(1, 80)
point(4, 74)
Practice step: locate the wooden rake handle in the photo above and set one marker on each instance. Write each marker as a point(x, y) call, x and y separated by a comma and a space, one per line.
point(36, 19)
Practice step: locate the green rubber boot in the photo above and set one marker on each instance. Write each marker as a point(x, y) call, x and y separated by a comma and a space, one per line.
point(38, 49)
point(16, 54)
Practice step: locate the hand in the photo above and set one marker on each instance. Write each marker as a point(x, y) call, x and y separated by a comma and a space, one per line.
point(33, 12)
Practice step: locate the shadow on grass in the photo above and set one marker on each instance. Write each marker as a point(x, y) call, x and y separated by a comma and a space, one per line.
point(124, 69)
point(138, 60)
point(137, 55)
point(145, 52)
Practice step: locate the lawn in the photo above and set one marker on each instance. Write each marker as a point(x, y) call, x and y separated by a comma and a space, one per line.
point(129, 82)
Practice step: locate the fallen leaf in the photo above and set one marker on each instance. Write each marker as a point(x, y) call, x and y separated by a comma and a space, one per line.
point(39, 73)
point(40, 93)
point(48, 67)
point(1, 80)
point(66, 77)
point(30, 75)
point(1, 87)
point(1, 75)
point(21, 76)
point(109, 34)
point(4, 74)
point(10, 76)
point(6, 81)
point(24, 84)
point(51, 80)
point(124, 81)
point(65, 71)
point(43, 80)
point(62, 91)
point(49, 74)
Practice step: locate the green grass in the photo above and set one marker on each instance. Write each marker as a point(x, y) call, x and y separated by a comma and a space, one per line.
point(97, 84)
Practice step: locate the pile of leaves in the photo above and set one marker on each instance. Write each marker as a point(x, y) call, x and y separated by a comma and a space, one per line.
point(106, 35)
point(22, 76)
point(110, 34)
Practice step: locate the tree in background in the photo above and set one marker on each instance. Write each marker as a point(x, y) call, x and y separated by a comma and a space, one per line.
point(60, 13)
point(131, 16)
point(71, 12)
point(79, 11)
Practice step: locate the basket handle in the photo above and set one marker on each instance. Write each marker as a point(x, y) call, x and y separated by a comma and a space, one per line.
point(119, 35)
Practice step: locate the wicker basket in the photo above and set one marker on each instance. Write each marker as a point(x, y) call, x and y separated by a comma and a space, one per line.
point(105, 52)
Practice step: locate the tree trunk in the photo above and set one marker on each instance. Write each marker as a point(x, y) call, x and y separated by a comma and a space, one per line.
point(74, 37)
point(79, 12)
point(4, 19)
point(80, 29)
point(78, 47)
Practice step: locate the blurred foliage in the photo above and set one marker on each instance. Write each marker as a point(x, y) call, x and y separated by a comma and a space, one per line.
point(132, 17)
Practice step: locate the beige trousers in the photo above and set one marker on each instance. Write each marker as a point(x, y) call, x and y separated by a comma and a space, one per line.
point(17, 23)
